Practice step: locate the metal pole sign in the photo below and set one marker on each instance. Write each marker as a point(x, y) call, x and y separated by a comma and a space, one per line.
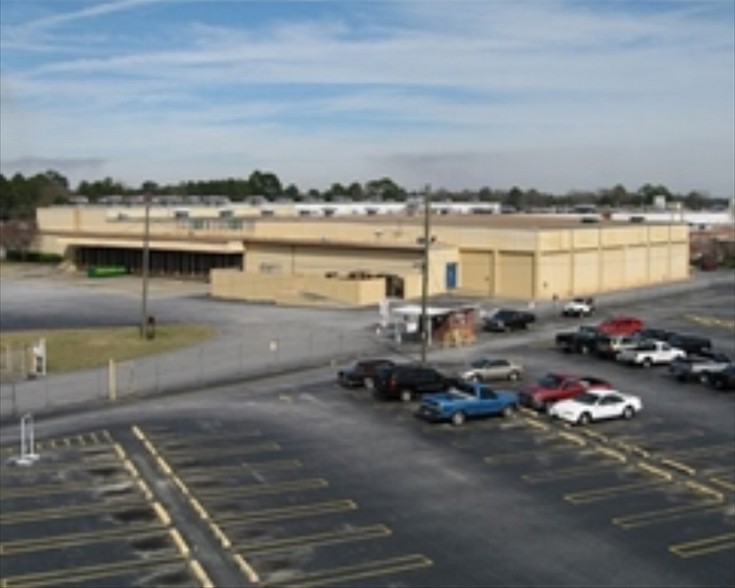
point(28, 455)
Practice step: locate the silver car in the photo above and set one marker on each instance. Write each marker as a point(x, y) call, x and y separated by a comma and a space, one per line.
point(485, 369)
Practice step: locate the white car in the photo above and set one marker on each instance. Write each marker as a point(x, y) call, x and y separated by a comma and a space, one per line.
point(579, 307)
point(596, 405)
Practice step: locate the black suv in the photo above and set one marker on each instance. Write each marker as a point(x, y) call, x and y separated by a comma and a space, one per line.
point(355, 374)
point(406, 382)
point(690, 343)
point(506, 319)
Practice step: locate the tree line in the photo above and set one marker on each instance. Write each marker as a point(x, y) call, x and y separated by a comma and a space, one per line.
point(20, 195)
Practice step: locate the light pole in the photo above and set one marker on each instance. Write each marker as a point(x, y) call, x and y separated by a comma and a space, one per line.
point(425, 278)
point(146, 254)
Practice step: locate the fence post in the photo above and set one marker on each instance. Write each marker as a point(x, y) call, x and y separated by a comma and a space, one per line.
point(131, 378)
point(201, 365)
point(112, 381)
point(14, 398)
point(7, 359)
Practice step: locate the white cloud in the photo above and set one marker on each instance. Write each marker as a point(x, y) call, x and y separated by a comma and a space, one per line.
point(580, 93)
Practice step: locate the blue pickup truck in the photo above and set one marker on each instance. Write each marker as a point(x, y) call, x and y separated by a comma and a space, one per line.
point(465, 400)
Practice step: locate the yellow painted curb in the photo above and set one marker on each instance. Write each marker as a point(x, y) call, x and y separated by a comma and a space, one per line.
point(246, 569)
point(162, 514)
point(200, 574)
point(179, 540)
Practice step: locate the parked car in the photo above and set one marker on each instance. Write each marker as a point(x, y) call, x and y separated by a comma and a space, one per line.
point(485, 369)
point(608, 346)
point(583, 340)
point(579, 307)
point(649, 353)
point(724, 380)
point(555, 386)
point(506, 319)
point(690, 343)
point(408, 381)
point(699, 366)
point(467, 400)
point(596, 405)
point(621, 325)
point(355, 374)
point(655, 334)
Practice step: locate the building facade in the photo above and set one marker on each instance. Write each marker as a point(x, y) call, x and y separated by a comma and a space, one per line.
point(360, 259)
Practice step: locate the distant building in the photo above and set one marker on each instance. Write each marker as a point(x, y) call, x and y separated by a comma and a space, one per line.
point(359, 259)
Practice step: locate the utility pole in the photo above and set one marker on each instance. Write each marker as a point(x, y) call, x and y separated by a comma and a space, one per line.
point(425, 277)
point(146, 255)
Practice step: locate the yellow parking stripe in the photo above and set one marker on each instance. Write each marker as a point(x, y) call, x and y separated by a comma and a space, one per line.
point(198, 437)
point(53, 489)
point(63, 541)
point(317, 539)
point(346, 574)
point(521, 455)
point(711, 321)
point(707, 450)
point(573, 472)
point(667, 514)
point(704, 546)
point(80, 574)
point(597, 495)
point(213, 452)
point(726, 484)
point(65, 512)
point(212, 472)
point(656, 438)
point(291, 512)
point(84, 440)
point(264, 489)
point(110, 461)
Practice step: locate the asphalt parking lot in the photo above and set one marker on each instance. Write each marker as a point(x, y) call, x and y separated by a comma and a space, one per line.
point(295, 481)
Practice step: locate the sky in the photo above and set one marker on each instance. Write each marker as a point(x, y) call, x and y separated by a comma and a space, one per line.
point(547, 94)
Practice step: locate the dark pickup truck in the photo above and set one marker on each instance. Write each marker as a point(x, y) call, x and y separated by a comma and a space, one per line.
point(699, 367)
point(583, 340)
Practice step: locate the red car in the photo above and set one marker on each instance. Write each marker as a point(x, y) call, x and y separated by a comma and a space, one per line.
point(554, 387)
point(621, 325)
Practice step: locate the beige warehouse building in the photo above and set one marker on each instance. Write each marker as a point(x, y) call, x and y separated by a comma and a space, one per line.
point(359, 260)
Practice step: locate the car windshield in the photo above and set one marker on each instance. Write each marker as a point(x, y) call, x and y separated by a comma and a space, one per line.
point(478, 363)
point(550, 381)
point(587, 398)
point(463, 387)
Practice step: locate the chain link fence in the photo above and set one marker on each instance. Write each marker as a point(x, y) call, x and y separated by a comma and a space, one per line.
point(270, 351)
point(15, 363)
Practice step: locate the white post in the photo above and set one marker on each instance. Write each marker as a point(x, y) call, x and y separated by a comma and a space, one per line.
point(111, 381)
point(27, 456)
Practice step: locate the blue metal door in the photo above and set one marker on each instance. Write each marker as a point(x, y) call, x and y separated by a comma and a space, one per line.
point(451, 275)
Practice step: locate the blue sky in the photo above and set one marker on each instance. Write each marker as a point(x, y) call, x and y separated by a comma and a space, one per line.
point(547, 94)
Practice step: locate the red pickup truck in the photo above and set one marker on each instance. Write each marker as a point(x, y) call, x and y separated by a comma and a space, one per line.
point(554, 387)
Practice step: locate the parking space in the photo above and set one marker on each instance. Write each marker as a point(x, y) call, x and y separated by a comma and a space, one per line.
point(281, 522)
point(82, 516)
point(295, 481)
point(666, 478)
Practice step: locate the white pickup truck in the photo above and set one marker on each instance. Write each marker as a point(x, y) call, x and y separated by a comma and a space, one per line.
point(579, 307)
point(650, 353)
